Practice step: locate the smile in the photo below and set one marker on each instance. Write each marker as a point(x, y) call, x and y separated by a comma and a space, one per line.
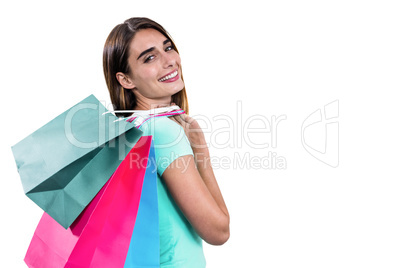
point(169, 76)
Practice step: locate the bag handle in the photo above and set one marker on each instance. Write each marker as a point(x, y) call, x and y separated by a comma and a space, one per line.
point(141, 116)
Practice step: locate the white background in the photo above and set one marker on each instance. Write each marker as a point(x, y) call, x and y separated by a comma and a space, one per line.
point(275, 58)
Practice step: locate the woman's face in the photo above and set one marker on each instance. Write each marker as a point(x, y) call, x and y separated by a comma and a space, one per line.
point(155, 66)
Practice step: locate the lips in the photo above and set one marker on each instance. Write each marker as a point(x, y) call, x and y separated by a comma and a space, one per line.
point(170, 77)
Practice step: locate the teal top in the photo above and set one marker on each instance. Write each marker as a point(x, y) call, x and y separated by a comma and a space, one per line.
point(180, 245)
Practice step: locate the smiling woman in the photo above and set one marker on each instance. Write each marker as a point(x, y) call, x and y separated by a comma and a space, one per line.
point(134, 66)
point(155, 69)
point(142, 69)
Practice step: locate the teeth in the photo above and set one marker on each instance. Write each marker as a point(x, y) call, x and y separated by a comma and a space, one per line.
point(168, 76)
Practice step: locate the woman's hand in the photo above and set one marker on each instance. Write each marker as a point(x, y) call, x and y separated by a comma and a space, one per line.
point(192, 130)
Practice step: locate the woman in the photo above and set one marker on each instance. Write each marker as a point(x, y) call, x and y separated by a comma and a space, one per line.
point(143, 70)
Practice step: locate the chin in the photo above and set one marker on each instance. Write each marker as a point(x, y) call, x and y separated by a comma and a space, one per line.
point(178, 89)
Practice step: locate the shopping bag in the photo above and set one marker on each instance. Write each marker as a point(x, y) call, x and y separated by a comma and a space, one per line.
point(144, 250)
point(101, 235)
point(65, 163)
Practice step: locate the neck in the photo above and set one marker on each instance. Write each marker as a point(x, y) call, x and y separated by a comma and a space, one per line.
point(144, 103)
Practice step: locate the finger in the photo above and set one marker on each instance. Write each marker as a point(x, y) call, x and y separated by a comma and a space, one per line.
point(175, 118)
point(186, 118)
point(181, 121)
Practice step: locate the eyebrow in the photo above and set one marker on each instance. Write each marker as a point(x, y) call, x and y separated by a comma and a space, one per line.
point(152, 48)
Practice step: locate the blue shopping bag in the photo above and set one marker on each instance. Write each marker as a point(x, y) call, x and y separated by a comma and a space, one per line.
point(144, 246)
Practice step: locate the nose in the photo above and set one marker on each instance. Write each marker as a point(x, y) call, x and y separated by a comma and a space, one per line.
point(170, 59)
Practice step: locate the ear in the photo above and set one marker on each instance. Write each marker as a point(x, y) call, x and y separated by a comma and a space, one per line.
point(125, 81)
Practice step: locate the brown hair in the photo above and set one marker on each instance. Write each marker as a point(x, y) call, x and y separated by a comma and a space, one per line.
point(115, 59)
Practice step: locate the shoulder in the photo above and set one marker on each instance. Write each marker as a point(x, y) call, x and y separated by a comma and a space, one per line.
point(163, 130)
point(159, 123)
point(170, 140)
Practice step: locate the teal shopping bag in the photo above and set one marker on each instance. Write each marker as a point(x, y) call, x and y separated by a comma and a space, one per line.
point(66, 162)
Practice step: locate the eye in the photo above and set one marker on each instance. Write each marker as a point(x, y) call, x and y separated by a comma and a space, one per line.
point(169, 48)
point(147, 59)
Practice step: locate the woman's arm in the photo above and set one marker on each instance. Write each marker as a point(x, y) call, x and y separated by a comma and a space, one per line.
point(192, 184)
